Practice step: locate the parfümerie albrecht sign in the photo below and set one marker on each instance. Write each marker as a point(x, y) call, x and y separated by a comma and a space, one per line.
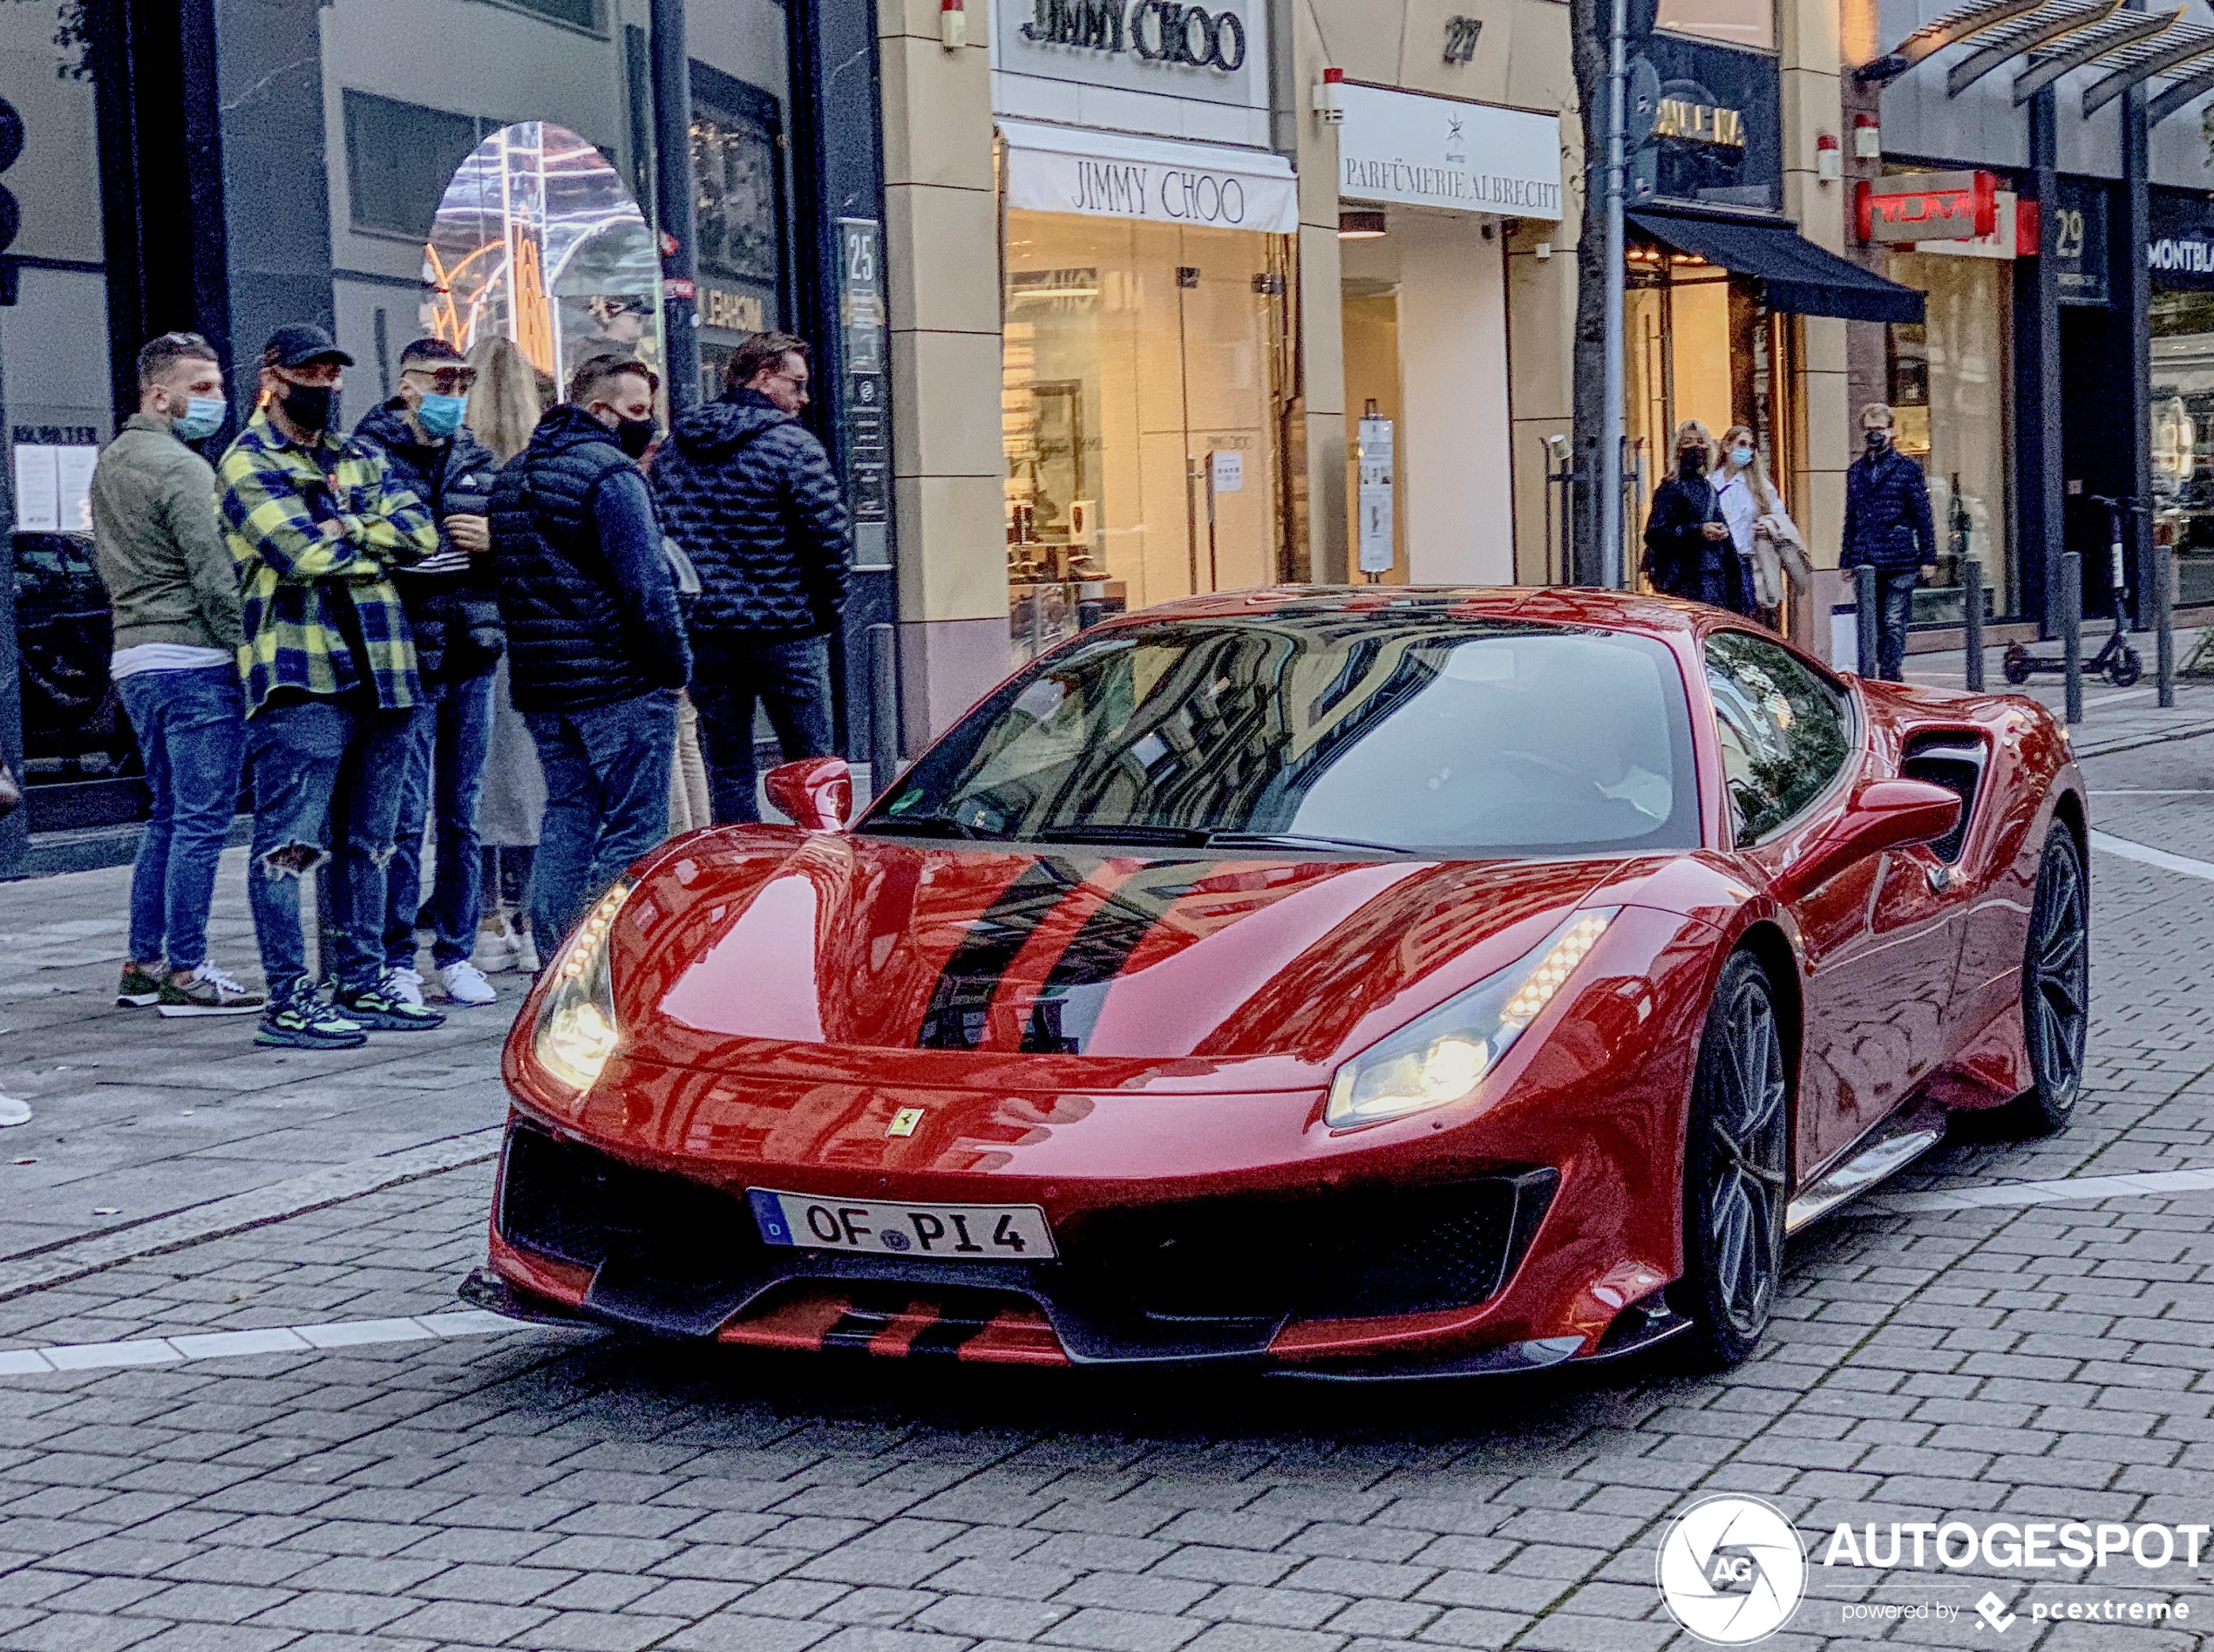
point(1421, 151)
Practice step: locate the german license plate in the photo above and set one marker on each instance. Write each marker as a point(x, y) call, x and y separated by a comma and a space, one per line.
point(956, 1233)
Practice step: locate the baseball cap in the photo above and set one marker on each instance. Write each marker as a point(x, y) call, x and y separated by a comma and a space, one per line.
point(431, 349)
point(301, 343)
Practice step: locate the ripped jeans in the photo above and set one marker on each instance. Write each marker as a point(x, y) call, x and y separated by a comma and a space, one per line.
point(326, 785)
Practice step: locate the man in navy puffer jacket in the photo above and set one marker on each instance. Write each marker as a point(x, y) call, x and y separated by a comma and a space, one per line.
point(1888, 526)
point(749, 493)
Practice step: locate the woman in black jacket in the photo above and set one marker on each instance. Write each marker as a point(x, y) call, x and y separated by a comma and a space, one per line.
point(1688, 549)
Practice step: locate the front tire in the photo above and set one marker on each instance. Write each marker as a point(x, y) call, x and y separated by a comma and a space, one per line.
point(2128, 667)
point(2056, 991)
point(1736, 1169)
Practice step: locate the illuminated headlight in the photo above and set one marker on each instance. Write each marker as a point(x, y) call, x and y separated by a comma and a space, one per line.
point(1441, 1056)
point(576, 1029)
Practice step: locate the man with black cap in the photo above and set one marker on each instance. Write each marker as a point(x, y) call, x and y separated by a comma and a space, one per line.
point(317, 524)
point(454, 613)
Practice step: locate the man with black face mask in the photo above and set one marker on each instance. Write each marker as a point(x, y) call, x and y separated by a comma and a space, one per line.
point(1888, 525)
point(317, 524)
point(595, 645)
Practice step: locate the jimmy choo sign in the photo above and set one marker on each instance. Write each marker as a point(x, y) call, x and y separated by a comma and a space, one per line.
point(1439, 152)
point(1152, 31)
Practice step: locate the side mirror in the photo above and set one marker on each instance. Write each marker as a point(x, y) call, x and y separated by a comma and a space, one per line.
point(1883, 814)
point(817, 793)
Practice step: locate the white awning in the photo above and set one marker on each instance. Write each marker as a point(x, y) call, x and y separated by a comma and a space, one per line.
point(1114, 174)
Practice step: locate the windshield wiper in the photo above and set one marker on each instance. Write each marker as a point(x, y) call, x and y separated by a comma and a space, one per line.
point(1205, 837)
point(1104, 831)
point(1295, 840)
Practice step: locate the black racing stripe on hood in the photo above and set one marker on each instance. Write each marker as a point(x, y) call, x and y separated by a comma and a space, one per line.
point(963, 995)
point(1076, 988)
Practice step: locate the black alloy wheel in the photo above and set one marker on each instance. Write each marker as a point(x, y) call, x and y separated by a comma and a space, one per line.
point(2056, 990)
point(1737, 1168)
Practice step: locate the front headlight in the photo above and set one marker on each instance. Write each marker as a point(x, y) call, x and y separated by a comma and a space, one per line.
point(576, 1029)
point(1441, 1056)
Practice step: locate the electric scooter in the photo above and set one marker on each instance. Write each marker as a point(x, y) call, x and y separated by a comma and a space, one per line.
point(2115, 661)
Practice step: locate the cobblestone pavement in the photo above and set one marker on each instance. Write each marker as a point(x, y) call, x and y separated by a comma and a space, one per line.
point(519, 1488)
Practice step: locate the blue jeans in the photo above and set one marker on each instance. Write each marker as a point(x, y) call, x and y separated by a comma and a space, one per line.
point(791, 680)
point(191, 727)
point(326, 786)
point(1894, 608)
point(445, 762)
point(607, 802)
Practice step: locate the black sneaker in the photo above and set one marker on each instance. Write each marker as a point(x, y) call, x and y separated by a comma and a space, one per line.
point(379, 1011)
point(299, 1020)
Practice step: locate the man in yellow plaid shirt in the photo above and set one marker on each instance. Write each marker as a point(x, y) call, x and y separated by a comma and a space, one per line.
point(315, 524)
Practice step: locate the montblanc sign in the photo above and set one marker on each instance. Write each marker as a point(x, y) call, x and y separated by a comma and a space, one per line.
point(1441, 152)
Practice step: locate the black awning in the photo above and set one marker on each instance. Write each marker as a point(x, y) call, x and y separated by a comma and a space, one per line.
point(1799, 276)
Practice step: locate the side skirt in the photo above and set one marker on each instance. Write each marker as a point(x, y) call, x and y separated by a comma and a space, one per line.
point(1886, 1148)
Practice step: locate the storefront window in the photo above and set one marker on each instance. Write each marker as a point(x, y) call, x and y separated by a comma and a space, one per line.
point(1140, 415)
point(2182, 418)
point(1948, 379)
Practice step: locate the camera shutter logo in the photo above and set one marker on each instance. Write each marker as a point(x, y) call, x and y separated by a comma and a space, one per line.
point(1731, 1570)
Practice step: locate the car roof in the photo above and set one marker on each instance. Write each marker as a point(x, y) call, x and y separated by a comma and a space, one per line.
point(1552, 605)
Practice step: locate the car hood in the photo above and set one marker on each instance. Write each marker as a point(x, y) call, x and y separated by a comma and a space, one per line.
point(819, 955)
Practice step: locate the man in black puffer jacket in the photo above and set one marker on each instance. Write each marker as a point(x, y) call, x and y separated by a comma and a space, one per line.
point(595, 647)
point(1888, 526)
point(455, 618)
point(747, 492)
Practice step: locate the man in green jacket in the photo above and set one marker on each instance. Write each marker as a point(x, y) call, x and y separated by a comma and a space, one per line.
point(174, 590)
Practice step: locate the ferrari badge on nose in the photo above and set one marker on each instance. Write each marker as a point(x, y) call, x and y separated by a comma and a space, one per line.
point(904, 1122)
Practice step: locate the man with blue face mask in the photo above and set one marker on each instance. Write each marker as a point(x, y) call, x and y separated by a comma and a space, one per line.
point(455, 616)
point(174, 590)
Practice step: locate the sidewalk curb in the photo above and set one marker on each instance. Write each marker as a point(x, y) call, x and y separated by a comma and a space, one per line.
point(2132, 742)
point(238, 1211)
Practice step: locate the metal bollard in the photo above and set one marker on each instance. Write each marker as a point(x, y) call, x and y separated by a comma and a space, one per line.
point(2163, 619)
point(883, 708)
point(1972, 621)
point(1865, 616)
point(2072, 630)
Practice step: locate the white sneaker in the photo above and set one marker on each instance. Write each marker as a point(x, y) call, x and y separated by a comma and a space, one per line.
point(13, 1112)
point(406, 985)
point(495, 952)
point(465, 984)
point(527, 953)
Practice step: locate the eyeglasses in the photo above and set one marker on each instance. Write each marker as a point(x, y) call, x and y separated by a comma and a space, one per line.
point(797, 381)
point(448, 381)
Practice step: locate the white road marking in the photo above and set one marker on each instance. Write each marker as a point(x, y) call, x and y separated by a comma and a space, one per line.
point(2147, 856)
point(1999, 1195)
point(287, 1339)
point(2127, 694)
point(2154, 792)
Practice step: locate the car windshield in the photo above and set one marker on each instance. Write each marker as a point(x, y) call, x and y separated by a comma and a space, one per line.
point(1424, 736)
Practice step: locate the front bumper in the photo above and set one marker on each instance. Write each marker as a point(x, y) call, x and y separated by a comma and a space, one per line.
point(579, 1234)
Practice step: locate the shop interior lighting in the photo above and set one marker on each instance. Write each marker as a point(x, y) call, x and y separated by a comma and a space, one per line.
point(1361, 223)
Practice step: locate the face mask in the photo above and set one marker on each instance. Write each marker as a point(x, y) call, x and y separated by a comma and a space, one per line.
point(1741, 457)
point(634, 435)
point(203, 416)
point(1692, 461)
point(1878, 439)
point(310, 406)
point(441, 415)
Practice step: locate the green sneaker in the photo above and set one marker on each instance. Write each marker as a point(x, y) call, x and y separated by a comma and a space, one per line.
point(299, 1020)
point(209, 992)
point(380, 1011)
point(141, 986)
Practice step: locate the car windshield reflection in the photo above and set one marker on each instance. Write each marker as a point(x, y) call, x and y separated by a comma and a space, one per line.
point(1430, 736)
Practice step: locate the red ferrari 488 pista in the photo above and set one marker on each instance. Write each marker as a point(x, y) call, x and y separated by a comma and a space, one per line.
point(1351, 983)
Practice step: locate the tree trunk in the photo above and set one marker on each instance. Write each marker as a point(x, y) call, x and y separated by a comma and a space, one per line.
point(1587, 24)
